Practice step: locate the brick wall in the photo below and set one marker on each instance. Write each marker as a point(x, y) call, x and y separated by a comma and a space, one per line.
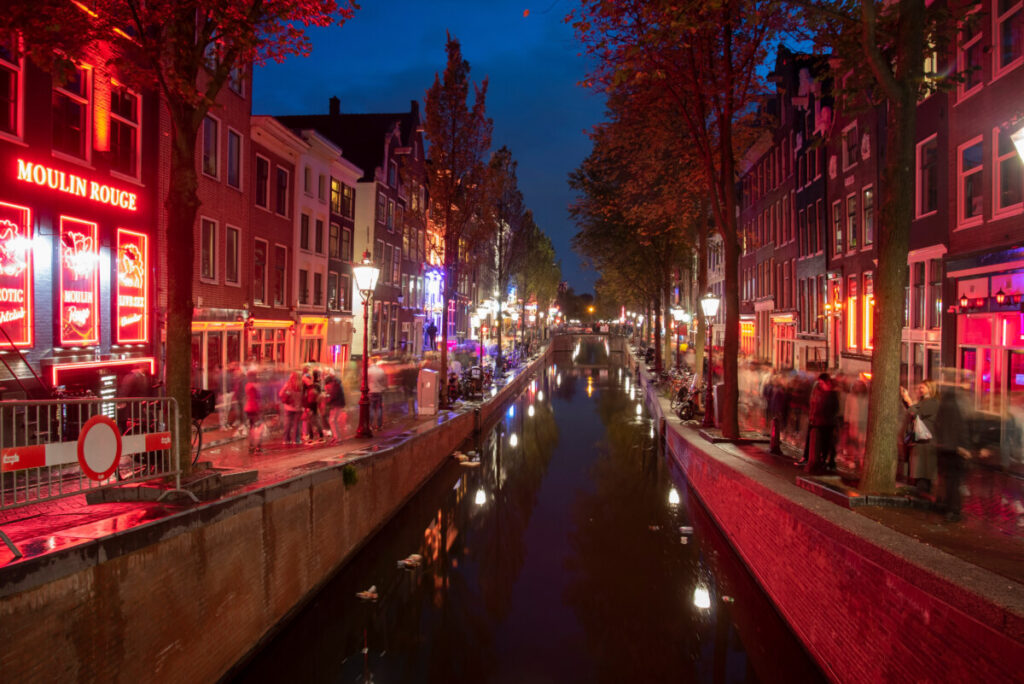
point(867, 610)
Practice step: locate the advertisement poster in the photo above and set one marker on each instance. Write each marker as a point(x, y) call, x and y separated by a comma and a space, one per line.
point(132, 287)
point(16, 274)
point(79, 282)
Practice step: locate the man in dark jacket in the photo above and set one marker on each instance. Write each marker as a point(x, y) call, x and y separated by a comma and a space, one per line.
point(951, 438)
point(821, 419)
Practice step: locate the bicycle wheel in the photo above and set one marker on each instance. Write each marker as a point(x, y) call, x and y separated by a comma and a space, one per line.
point(197, 441)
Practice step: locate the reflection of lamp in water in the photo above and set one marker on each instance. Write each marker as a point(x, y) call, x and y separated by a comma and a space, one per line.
point(481, 497)
point(558, 380)
point(529, 410)
point(632, 393)
point(701, 598)
point(673, 497)
point(590, 386)
point(639, 409)
point(494, 391)
point(540, 395)
point(513, 440)
point(512, 411)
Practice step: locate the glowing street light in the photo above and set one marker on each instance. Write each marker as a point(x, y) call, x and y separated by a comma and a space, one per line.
point(366, 282)
point(709, 305)
point(481, 497)
point(673, 497)
point(701, 598)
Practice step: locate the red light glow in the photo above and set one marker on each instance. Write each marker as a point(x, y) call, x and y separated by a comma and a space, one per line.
point(132, 286)
point(79, 282)
point(16, 306)
point(116, 363)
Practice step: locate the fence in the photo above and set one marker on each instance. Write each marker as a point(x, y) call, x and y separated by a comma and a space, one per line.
point(51, 449)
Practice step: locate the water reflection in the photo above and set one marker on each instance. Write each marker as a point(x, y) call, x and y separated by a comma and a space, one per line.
point(573, 553)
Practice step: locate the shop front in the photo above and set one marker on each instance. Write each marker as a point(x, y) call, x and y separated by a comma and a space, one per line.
point(783, 340)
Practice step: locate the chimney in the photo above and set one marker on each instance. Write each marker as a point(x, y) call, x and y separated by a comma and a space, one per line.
point(335, 106)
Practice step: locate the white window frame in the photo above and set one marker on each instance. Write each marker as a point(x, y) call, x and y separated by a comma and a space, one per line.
point(264, 298)
point(961, 221)
point(961, 52)
point(997, 21)
point(18, 67)
point(850, 129)
point(997, 169)
point(203, 220)
point(918, 197)
point(227, 159)
point(238, 255)
point(865, 244)
point(137, 125)
point(87, 126)
point(850, 247)
point(216, 147)
point(278, 169)
point(268, 185)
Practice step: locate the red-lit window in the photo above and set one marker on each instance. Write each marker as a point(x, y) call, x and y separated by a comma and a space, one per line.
point(851, 313)
point(79, 282)
point(132, 287)
point(16, 305)
point(124, 131)
point(71, 114)
point(869, 311)
point(10, 86)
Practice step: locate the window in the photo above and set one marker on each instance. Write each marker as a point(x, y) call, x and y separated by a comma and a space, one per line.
point(320, 185)
point(969, 58)
point(124, 131)
point(917, 301)
point(400, 215)
point(396, 269)
point(318, 286)
point(234, 159)
point(211, 128)
point(344, 293)
point(391, 215)
point(1009, 28)
point(280, 274)
point(969, 165)
point(307, 180)
point(868, 208)
point(10, 84)
point(281, 194)
point(335, 196)
point(346, 244)
point(386, 266)
point(935, 295)
point(378, 254)
point(837, 229)
point(869, 310)
point(262, 182)
point(382, 207)
point(850, 146)
point(303, 286)
point(208, 251)
point(1009, 181)
point(319, 236)
point(393, 173)
point(851, 313)
point(71, 114)
point(304, 231)
point(332, 291)
point(406, 243)
point(334, 243)
point(812, 231)
point(236, 80)
point(231, 255)
point(348, 201)
point(259, 280)
point(927, 176)
point(851, 221)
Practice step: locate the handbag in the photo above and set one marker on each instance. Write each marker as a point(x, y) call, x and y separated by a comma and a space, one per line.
point(921, 431)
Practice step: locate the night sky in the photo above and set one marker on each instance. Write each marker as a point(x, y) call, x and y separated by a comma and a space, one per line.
point(389, 52)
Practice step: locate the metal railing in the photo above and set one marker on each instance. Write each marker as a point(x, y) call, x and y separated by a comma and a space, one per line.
point(56, 448)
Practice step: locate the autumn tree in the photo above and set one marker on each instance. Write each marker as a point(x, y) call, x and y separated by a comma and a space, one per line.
point(508, 241)
point(700, 58)
point(878, 51)
point(459, 136)
point(184, 50)
point(538, 272)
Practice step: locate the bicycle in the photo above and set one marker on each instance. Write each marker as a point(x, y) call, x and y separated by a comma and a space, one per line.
point(145, 420)
point(203, 404)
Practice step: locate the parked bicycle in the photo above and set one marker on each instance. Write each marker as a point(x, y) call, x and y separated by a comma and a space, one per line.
point(203, 404)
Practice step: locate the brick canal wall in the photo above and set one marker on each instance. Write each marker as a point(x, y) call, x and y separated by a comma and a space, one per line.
point(182, 599)
point(870, 604)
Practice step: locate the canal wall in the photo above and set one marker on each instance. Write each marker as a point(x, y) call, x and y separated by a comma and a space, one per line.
point(184, 598)
point(869, 603)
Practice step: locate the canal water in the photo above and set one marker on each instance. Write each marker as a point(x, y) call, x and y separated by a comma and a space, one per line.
point(573, 553)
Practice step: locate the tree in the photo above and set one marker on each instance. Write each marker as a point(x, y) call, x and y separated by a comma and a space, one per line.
point(459, 137)
point(701, 58)
point(185, 50)
point(508, 242)
point(539, 273)
point(879, 51)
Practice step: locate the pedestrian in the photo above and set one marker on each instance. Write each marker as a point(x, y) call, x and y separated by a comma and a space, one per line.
point(378, 384)
point(311, 408)
point(952, 438)
point(923, 457)
point(253, 409)
point(337, 417)
point(821, 419)
point(291, 399)
point(432, 335)
point(778, 408)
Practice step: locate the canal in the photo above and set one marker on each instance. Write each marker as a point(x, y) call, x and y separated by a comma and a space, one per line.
point(573, 552)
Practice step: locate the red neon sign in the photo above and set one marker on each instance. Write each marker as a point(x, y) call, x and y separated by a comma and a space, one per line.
point(132, 287)
point(72, 184)
point(79, 282)
point(55, 371)
point(16, 273)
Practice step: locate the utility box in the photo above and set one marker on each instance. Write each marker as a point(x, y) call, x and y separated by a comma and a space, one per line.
point(427, 391)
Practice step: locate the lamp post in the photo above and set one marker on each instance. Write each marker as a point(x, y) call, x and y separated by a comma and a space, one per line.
point(677, 316)
point(366, 281)
point(709, 305)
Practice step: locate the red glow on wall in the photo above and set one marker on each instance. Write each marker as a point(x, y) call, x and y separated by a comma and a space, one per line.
point(16, 307)
point(79, 282)
point(132, 324)
point(57, 370)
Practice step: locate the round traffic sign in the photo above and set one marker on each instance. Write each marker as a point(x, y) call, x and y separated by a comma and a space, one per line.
point(99, 447)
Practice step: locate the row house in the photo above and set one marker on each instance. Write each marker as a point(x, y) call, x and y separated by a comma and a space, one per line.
point(79, 206)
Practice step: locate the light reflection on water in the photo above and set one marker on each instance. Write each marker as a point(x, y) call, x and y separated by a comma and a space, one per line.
point(573, 553)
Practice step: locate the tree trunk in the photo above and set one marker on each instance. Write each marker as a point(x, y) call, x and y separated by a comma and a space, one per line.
point(893, 242)
point(657, 333)
point(182, 205)
point(698, 311)
point(730, 353)
point(671, 338)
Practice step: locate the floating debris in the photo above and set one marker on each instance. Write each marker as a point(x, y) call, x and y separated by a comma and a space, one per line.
point(412, 561)
point(368, 595)
point(685, 529)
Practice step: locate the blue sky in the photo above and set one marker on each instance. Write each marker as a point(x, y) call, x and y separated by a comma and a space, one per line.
point(389, 52)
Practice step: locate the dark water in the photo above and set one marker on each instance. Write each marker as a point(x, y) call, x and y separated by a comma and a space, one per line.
point(560, 559)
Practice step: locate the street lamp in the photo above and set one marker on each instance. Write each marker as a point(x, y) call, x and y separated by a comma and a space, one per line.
point(366, 282)
point(709, 305)
point(677, 315)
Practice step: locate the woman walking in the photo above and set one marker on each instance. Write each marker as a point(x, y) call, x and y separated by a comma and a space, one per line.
point(923, 455)
point(291, 400)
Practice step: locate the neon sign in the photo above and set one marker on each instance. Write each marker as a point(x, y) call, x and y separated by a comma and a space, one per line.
point(132, 291)
point(55, 179)
point(16, 274)
point(79, 282)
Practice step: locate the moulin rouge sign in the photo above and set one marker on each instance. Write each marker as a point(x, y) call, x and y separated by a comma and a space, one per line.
point(62, 181)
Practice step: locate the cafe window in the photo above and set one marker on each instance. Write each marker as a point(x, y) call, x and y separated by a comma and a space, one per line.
point(124, 131)
point(71, 113)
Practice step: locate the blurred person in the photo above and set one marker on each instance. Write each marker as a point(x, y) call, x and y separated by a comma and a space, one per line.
point(777, 402)
point(311, 408)
point(135, 383)
point(291, 400)
point(855, 420)
point(952, 440)
point(377, 380)
point(821, 418)
point(923, 456)
point(337, 416)
point(253, 410)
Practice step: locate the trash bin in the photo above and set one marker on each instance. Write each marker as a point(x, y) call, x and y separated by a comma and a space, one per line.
point(427, 392)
